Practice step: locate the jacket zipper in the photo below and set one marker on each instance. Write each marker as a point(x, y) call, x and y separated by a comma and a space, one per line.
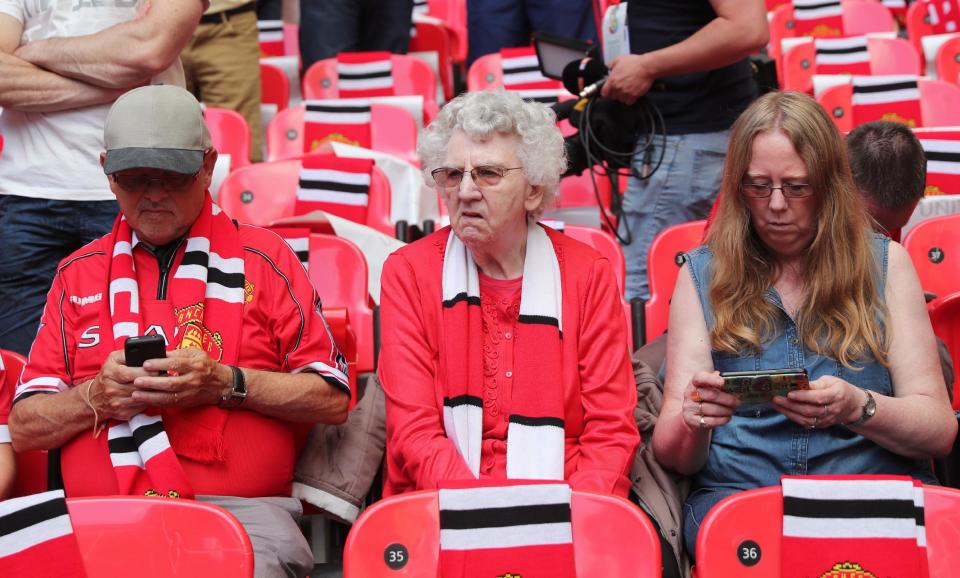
point(165, 272)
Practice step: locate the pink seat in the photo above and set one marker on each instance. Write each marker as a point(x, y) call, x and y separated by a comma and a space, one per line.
point(485, 72)
point(346, 288)
point(611, 538)
point(887, 56)
point(939, 104)
point(436, 38)
point(607, 246)
point(663, 265)
point(454, 16)
point(859, 18)
point(757, 515)
point(31, 475)
point(263, 193)
point(392, 130)
point(411, 76)
point(274, 86)
point(230, 135)
point(945, 318)
point(948, 61)
point(159, 538)
point(918, 24)
point(930, 244)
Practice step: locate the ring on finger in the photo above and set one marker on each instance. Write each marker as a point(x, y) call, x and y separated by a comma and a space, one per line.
point(703, 423)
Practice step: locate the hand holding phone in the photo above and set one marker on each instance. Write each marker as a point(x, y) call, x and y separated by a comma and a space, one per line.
point(143, 347)
point(755, 388)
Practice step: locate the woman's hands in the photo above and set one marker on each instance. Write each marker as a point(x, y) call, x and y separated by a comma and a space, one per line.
point(830, 401)
point(705, 404)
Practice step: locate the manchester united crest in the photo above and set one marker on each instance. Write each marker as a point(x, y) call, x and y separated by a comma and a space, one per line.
point(847, 570)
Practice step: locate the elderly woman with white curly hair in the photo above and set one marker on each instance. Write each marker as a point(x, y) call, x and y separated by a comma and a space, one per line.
point(504, 351)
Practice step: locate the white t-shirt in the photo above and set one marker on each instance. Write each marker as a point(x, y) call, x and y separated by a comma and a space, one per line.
point(55, 155)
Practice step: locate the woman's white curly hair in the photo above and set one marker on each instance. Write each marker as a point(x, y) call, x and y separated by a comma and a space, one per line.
point(480, 114)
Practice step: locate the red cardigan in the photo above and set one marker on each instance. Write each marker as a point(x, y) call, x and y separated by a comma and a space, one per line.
point(599, 392)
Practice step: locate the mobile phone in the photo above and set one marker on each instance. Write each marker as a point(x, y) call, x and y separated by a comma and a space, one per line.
point(143, 347)
point(760, 387)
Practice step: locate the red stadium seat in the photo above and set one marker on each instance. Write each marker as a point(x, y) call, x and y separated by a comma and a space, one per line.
point(159, 538)
point(859, 17)
point(230, 135)
point(392, 130)
point(607, 246)
point(263, 193)
point(454, 16)
point(611, 538)
point(274, 86)
point(436, 38)
point(918, 24)
point(887, 56)
point(31, 475)
point(939, 104)
point(945, 318)
point(663, 265)
point(338, 270)
point(485, 72)
point(930, 244)
point(411, 76)
point(757, 516)
point(948, 61)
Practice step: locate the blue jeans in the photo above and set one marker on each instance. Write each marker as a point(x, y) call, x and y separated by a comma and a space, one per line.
point(331, 26)
point(683, 189)
point(35, 234)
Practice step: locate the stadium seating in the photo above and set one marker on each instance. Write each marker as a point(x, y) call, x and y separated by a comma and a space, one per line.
point(930, 244)
point(274, 86)
point(607, 246)
point(939, 104)
point(859, 17)
point(230, 135)
point(338, 270)
point(431, 37)
point(411, 76)
point(392, 130)
point(261, 194)
point(453, 13)
point(945, 318)
point(948, 61)
point(159, 538)
point(611, 538)
point(663, 265)
point(887, 56)
point(756, 515)
point(31, 466)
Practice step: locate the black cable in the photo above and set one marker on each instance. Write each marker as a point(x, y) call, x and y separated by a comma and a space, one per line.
point(599, 155)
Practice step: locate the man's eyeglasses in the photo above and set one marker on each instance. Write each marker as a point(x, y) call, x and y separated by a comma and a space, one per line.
point(170, 182)
point(764, 190)
point(489, 176)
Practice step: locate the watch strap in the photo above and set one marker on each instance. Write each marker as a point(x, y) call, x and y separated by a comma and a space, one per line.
point(239, 391)
point(869, 409)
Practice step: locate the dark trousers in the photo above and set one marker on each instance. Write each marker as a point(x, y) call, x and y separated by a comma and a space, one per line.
point(496, 24)
point(35, 234)
point(331, 26)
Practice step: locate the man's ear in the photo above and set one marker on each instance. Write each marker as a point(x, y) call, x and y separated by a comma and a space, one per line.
point(209, 161)
point(103, 157)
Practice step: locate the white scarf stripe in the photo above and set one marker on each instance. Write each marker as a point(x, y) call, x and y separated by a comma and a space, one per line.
point(337, 197)
point(464, 425)
point(816, 489)
point(505, 496)
point(122, 248)
point(514, 78)
point(125, 285)
point(198, 244)
point(365, 83)
point(507, 537)
point(943, 167)
point(36, 534)
point(940, 145)
point(271, 36)
point(153, 446)
point(226, 294)
point(900, 95)
point(535, 452)
point(128, 329)
point(849, 527)
point(323, 117)
point(5, 434)
point(374, 67)
point(126, 459)
point(541, 295)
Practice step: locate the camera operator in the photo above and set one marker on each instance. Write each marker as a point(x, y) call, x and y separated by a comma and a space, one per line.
point(689, 57)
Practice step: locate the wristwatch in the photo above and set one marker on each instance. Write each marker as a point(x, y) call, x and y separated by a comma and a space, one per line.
point(869, 410)
point(238, 393)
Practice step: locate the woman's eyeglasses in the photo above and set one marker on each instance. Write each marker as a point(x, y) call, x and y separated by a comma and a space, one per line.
point(764, 190)
point(170, 182)
point(449, 178)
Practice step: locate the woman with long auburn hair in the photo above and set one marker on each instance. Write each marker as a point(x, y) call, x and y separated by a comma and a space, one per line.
point(791, 277)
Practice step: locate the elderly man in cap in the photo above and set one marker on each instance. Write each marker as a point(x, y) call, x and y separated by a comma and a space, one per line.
point(249, 366)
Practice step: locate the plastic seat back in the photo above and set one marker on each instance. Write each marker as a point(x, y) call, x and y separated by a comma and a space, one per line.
point(607, 246)
point(918, 24)
point(392, 130)
point(158, 537)
point(887, 56)
point(939, 104)
point(611, 538)
point(948, 61)
point(338, 270)
point(411, 76)
point(454, 15)
point(485, 72)
point(263, 193)
point(31, 475)
point(931, 244)
point(663, 265)
point(945, 318)
point(433, 37)
point(757, 516)
point(274, 86)
point(230, 135)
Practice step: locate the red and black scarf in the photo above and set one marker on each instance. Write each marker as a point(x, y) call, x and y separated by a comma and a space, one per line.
point(37, 539)
point(535, 435)
point(206, 292)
